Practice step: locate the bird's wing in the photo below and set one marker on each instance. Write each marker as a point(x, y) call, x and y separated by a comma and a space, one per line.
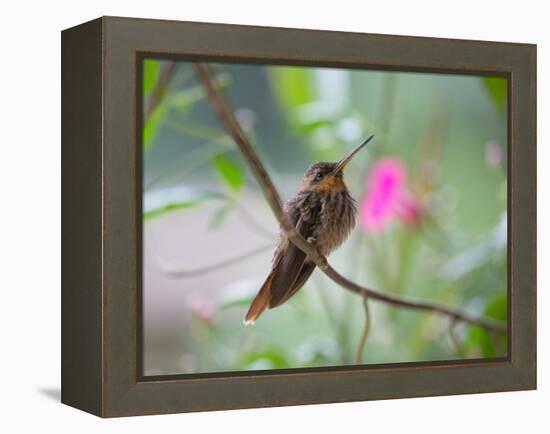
point(291, 269)
point(303, 275)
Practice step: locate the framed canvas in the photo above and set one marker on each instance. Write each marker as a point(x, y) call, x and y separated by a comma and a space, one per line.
point(394, 178)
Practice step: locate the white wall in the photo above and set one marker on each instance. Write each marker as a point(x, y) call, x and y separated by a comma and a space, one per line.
point(30, 214)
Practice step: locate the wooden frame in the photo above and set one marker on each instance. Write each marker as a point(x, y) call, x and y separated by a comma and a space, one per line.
point(101, 232)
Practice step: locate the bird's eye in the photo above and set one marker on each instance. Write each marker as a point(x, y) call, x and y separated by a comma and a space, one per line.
point(319, 176)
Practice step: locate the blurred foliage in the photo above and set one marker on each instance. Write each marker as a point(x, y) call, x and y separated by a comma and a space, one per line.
point(151, 71)
point(180, 101)
point(177, 198)
point(152, 125)
point(293, 88)
point(446, 242)
point(497, 88)
point(480, 343)
point(219, 217)
point(230, 172)
point(264, 360)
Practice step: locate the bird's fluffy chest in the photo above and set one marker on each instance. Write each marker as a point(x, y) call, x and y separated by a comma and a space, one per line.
point(326, 219)
point(337, 219)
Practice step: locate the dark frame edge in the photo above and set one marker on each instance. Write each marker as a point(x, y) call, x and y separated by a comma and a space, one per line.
point(82, 219)
point(523, 164)
point(518, 380)
point(304, 29)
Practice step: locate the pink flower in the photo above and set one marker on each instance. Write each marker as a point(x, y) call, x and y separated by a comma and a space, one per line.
point(493, 154)
point(408, 210)
point(387, 196)
point(204, 310)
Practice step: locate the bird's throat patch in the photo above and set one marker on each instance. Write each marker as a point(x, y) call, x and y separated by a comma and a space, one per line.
point(332, 184)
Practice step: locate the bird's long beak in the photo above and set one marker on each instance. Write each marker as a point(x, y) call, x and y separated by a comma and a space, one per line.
point(344, 161)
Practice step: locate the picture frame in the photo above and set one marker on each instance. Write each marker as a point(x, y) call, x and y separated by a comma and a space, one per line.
point(102, 200)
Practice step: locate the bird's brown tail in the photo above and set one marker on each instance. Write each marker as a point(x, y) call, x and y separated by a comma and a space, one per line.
point(260, 302)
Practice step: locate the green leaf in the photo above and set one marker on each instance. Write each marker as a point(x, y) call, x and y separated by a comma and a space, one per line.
point(151, 70)
point(173, 206)
point(498, 90)
point(229, 171)
point(160, 202)
point(292, 86)
point(479, 340)
point(498, 308)
point(152, 125)
point(268, 359)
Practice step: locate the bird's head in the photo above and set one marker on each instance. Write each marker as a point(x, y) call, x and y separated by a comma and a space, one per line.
point(327, 177)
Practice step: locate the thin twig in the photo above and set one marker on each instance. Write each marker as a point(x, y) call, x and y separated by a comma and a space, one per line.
point(365, 333)
point(194, 272)
point(165, 75)
point(229, 122)
point(192, 159)
point(455, 339)
point(256, 225)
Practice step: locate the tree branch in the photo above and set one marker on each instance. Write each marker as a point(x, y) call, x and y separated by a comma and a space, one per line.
point(230, 124)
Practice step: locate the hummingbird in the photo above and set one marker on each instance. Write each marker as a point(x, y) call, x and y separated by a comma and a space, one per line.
point(323, 212)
